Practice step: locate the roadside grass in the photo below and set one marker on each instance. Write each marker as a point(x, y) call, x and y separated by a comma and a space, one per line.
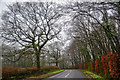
point(51, 73)
point(91, 75)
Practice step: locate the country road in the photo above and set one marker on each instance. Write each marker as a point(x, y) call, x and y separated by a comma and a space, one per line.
point(68, 75)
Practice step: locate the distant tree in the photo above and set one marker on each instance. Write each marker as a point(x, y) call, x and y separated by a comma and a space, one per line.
point(55, 52)
point(12, 56)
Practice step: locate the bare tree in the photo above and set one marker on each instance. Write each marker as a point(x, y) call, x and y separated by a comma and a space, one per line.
point(55, 52)
point(96, 10)
point(95, 30)
point(31, 25)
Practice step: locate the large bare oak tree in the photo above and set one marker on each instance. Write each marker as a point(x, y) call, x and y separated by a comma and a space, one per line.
point(31, 25)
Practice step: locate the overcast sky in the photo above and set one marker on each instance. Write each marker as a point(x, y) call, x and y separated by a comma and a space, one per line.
point(3, 4)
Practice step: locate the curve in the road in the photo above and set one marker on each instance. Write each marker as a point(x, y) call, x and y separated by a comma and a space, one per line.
point(68, 75)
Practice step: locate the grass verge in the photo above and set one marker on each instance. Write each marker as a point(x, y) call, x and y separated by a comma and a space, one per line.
point(91, 75)
point(51, 73)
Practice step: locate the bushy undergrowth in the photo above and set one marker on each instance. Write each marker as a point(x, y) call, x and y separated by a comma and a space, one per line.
point(107, 66)
point(16, 72)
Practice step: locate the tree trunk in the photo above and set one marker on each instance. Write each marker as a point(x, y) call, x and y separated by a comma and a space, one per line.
point(38, 60)
point(56, 63)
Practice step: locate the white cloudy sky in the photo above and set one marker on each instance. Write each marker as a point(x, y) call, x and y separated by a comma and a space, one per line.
point(3, 4)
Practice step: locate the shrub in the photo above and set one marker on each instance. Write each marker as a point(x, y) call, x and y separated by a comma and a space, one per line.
point(84, 66)
point(104, 64)
point(56, 67)
point(89, 67)
point(22, 70)
point(76, 67)
point(111, 65)
point(97, 65)
point(80, 66)
point(9, 71)
point(92, 66)
point(15, 72)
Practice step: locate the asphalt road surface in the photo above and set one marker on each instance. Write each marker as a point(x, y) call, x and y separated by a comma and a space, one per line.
point(68, 75)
